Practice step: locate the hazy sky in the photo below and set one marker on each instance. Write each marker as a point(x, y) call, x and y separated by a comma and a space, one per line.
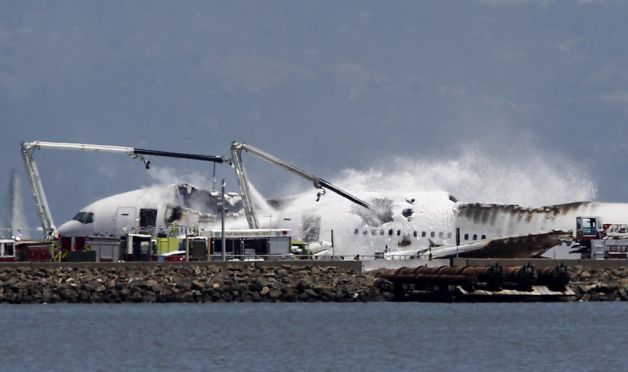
point(328, 85)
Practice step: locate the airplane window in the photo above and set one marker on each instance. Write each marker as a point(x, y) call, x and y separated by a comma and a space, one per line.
point(364, 232)
point(390, 232)
point(475, 237)
point(416, 234)
point(356, 231)
point(483, 236)
point(423, 234)
point(466, 236)
point(381, 232)
point(441, 234)
point(432, 234)
point(84, 217)
point(373, 232)
point(398, 232)
point(449, 235)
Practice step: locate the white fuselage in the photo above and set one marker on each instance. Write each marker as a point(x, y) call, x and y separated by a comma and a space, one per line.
point(182, 207)
point(412, 223)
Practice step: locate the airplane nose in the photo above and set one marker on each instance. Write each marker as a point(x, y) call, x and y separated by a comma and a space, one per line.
point(74, 228)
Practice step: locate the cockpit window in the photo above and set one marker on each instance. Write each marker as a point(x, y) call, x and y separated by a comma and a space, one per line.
point(84, 217)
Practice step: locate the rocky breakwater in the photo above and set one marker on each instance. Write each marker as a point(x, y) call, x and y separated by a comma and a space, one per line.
point(167, 283)
point(610, 284)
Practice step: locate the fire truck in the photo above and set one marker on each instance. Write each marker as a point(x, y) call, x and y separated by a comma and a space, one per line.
point(601, 241)
point(24, 251)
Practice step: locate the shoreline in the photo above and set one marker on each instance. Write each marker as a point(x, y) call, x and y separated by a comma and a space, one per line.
point(189, 283)
point(239, 282)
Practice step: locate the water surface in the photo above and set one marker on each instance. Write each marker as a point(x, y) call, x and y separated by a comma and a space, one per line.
point(320, 336)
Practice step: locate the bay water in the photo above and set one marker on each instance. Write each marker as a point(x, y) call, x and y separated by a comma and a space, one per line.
point(314, 337)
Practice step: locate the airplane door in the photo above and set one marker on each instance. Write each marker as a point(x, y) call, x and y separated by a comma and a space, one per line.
point(125, 220)
point(148, 220)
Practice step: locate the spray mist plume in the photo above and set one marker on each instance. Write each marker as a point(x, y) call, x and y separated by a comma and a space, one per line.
point(523, 176)
point(14, 219)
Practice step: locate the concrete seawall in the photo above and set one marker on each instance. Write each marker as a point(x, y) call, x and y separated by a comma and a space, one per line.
point(349, 265)
point(541, 262)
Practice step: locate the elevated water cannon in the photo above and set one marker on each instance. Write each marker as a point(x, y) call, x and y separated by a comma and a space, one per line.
point(318, 183)
point(43, 209)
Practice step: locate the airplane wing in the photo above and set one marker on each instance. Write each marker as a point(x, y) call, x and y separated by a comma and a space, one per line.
point(524, 246)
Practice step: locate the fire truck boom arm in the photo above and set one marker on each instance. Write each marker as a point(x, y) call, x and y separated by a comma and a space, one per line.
point(236, 158)
point(41, 202)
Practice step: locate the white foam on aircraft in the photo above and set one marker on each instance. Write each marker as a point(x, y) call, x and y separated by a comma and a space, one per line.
point(401, 185)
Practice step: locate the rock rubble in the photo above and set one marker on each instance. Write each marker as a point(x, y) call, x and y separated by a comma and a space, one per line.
point(599, 285)
point(248, 283)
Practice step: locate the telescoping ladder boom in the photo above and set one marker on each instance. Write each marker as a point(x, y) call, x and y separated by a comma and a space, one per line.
point(319, 183)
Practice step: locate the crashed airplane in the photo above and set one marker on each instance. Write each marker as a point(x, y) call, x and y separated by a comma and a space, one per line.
point(376, 224)
point(433, 224)
point(424, 224)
